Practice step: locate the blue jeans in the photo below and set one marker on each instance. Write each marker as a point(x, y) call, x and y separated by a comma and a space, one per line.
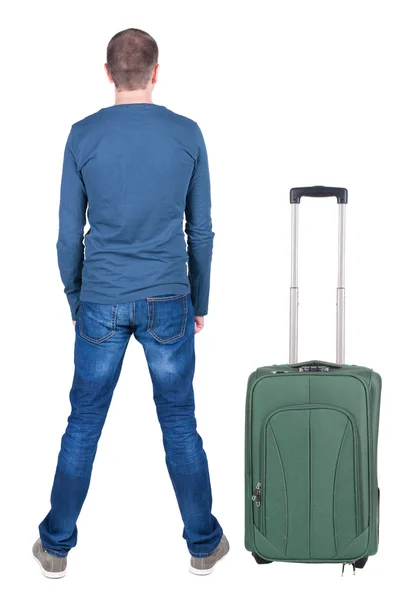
point(164, 325)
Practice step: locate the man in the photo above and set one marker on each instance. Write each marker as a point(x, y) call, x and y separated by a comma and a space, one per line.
point(136, 169)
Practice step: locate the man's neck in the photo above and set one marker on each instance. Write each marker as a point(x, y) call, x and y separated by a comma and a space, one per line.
point(133, 97)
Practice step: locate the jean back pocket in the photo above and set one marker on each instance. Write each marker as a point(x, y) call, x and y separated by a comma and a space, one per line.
point(97, 322)
point(167, 317)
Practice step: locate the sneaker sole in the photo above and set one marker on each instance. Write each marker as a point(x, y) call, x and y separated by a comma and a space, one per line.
point(205, 571)
point(48, 574)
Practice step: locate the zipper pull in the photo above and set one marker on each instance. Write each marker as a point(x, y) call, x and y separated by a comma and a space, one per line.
point(257, 495)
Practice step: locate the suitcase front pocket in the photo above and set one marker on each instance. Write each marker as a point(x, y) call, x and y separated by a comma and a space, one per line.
point(310, 505)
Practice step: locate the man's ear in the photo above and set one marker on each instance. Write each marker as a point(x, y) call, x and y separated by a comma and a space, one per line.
point(107, 71)
point(155, 75)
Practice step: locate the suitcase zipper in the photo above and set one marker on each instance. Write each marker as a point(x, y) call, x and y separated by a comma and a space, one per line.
point(256, 497)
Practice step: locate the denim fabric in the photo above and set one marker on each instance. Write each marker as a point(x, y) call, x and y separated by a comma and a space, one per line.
point(164, 325)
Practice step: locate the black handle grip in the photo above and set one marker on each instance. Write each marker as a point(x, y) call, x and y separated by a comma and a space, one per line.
point(318, 191)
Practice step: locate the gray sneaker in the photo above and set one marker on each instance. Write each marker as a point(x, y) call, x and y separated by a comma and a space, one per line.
point(205, 565)
point(51, 566)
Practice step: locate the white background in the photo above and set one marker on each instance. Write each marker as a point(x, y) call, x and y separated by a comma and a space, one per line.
point(287, 94)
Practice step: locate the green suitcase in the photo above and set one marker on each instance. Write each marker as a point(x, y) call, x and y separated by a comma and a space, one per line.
point(311, 490)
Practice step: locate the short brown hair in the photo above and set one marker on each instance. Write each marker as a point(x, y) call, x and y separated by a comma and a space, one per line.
point(132, 55)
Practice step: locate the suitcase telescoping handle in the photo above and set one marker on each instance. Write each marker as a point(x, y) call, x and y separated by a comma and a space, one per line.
point(295, 196)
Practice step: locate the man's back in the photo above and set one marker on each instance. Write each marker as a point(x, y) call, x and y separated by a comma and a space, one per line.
point(136, 168)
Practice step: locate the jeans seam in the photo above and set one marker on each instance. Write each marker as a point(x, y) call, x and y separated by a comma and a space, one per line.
point(153, 299)
point(151, 311)
point(95, 341)
point(54, 553)
point(114, 317)
point(132, 317)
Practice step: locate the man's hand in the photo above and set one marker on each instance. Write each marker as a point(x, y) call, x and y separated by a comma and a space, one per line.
point(199, 324)
point(74, 322)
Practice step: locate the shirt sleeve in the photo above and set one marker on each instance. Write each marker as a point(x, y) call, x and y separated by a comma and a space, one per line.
point(72, 218)
point(199, 230)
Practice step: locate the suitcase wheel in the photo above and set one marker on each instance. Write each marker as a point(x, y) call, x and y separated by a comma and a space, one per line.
point(359, 564)
point(260, 560)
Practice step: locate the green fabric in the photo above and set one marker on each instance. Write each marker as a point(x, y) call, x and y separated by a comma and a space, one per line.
point(311, 442)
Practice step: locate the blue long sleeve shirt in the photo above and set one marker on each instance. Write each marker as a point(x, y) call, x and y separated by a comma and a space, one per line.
point(136, 172)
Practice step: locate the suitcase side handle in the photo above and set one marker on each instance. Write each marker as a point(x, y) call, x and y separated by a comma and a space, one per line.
point(318, 191)
point(315, 363)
